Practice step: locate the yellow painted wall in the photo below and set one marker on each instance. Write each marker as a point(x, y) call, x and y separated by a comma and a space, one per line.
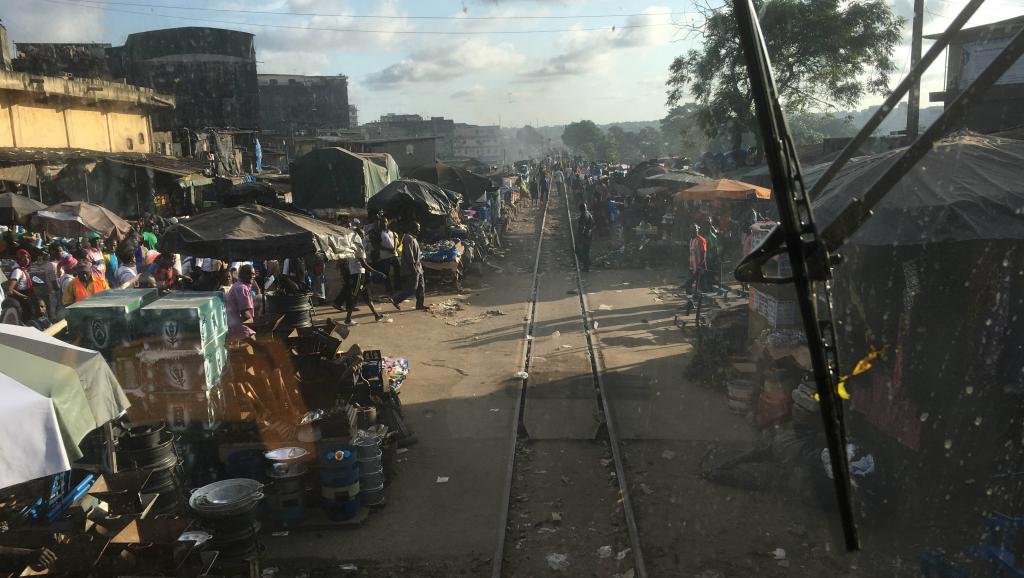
point(128, 126)
point(26, 123)
point(6, 134)
point(87, 129)
point(39, 127)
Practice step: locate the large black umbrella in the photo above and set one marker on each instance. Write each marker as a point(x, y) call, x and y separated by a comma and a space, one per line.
point(15, 208)
point(413, 195)
point(968, 187)
point(256, 232)
point(469, 184)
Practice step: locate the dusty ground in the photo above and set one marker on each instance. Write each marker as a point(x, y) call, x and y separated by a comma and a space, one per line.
point(460, 397)
point(458, 401)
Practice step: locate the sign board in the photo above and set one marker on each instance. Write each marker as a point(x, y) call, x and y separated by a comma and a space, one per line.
point(978, 55)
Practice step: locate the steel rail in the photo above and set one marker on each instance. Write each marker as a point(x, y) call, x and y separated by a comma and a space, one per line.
point(607, 419)
point(519, 428)
point(519, 425)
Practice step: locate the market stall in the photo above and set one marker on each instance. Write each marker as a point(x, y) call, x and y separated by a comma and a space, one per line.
point(444, 239)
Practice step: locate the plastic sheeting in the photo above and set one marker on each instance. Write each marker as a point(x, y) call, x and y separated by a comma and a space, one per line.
point(332, 178)
point(968, 187)
point(411, 194)
point(256, 232)
point(82, 387)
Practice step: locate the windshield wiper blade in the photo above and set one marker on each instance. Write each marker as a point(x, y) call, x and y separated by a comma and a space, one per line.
point(808, 255)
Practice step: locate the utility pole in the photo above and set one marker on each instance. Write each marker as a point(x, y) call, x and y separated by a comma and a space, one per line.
point(914, 97)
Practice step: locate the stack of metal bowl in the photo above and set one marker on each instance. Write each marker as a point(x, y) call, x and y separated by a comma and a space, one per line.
point(371, 469)
point(286, 471)
point(151, 448)
point(228, 510)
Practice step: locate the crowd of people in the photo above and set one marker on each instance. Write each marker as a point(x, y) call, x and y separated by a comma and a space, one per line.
point(41, 276)
point(712, 235)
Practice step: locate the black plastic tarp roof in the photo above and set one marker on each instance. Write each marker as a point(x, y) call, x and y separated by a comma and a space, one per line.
point(410, 194)
point(968, 187)
point(256, 232)
point(469, 184)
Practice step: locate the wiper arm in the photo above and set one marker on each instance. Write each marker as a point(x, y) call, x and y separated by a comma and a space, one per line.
point(808, 255)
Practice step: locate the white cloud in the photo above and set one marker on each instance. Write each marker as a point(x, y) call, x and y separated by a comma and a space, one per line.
point(44, 22)
point(584, 52)
point(298, 51)
point(445, 62)
point(471, 94)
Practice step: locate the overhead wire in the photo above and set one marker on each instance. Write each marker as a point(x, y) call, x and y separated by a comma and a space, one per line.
point(84, 4)
point(378, 16)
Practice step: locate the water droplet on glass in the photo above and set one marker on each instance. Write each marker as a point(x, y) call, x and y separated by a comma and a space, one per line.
point(977, 421)
point(924, 416)
point(969, 389)
point(988, 322)
point(948, 444)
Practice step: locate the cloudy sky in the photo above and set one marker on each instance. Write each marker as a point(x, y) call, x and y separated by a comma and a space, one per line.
point(481, 61)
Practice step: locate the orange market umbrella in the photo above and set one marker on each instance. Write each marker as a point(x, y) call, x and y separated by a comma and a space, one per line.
point(726, 189)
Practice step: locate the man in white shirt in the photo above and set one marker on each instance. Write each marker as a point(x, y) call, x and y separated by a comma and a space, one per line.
point(352, 271)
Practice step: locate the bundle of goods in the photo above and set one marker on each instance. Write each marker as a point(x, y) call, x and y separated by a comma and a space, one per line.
point(395, 369)
point(182, 360)
point(109, 320)
point(441, 252)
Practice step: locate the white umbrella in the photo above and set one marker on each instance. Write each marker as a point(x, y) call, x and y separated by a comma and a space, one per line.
point(31, 445)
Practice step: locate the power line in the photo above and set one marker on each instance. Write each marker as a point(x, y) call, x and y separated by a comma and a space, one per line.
point(359, 30)
point(377, 16)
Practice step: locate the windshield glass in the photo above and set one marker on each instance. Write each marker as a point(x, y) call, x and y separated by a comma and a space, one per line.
point(308, 288)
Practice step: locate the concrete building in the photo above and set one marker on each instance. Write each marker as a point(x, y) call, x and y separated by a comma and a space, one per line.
point(477, 142)
point(210, 71)
point(295, 104)
point(80, 60)
point(353, 116)
point(56, 112)
point(392, 126)
point(64, 139)
point(970, 51)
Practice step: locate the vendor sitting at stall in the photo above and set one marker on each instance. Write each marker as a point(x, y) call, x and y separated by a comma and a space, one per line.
point(87, 282)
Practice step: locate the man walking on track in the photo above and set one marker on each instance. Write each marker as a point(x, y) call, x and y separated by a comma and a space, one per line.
point(584, 235)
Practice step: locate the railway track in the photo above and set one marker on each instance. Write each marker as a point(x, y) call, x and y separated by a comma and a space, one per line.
point(566, 501)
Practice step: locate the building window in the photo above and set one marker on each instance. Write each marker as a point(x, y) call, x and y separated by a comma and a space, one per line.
point(142, 139)
point(410, 150)
point(130, 144)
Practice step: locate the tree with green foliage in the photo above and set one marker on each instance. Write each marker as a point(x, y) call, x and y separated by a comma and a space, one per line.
point(586, 138)
point(825, 53)
point(682, 133)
